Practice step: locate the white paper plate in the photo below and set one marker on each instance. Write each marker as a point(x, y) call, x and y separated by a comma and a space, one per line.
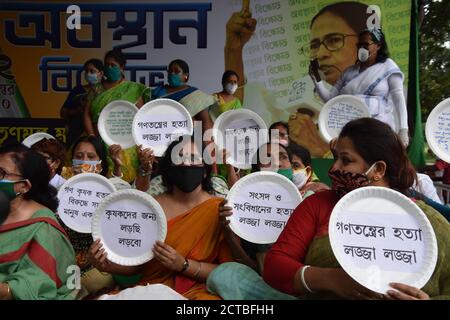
point(69, 193)
point(148, 120)
point(374, 265)
point(129, 222)
point(437, 130)
point(238, 119)
point(149, 292)
point(36, 137)
point(337, 112)
point(263, 183)
point(115, 121)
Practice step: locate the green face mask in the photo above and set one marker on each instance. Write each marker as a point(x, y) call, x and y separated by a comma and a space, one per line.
point(113, 73)
point(288, 173)
point(7, 187)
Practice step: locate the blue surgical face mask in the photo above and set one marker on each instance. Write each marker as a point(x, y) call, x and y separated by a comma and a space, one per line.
point(91, 78)
point(175, 80)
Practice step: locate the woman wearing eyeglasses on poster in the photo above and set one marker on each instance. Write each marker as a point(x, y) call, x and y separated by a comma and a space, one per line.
point(375, 78)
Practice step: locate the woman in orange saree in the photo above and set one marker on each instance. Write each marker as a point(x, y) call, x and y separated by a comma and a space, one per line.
point(195, 244)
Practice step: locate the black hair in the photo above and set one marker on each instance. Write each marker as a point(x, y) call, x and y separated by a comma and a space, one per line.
point(99, 149)
point(182, 64)
point(277, 124)
point(117, 55)
point(383, 53)
point(354, 14)
point(228, 74)
point(256, 165)
point(375, 141)
point(98, 64)
point(166, 163)
point(33, 166)
point(300, 152)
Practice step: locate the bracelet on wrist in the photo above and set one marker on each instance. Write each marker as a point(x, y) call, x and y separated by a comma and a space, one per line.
point(185, 265)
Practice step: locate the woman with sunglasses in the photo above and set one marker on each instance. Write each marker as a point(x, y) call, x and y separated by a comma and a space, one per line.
point(35, 252)
point(375, 78)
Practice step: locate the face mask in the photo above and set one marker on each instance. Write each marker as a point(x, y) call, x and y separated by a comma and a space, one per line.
point(186, 178)
point(300, 177)
point(174, 80)
point(113, 73)
point(7, 187)
point(363, 54)
point(85, 166)
point(343, 182)
point(231, 88)
point(91, 78)
point(288, 173)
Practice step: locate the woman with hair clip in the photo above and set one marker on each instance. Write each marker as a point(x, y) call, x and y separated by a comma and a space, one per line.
point(375, 78)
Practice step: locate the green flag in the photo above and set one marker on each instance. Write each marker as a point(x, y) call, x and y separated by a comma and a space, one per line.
point(416, 148)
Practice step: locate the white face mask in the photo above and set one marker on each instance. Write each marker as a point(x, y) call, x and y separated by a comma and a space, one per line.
point(231, 88)
point(363, 54)
point(300, 177)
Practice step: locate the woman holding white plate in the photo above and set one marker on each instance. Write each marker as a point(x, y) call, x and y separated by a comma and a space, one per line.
point(195, 244)
point(302, 263)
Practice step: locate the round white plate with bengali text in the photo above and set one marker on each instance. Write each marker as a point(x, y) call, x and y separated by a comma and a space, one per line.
point(159, 122)
point(115, 122)
point(129, 222)
point(241, 132)
point(79, 197)
point(36, 137)
point(379, 236)
point(337, 112)
point(437, 130)
point(262, 203)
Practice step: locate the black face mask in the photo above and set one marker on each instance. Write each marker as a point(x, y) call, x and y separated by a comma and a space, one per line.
point(186, 178)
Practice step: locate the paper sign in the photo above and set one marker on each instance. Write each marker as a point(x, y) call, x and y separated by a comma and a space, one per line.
point(79, 197)
point(129, 222)
point(393, 242)
point(380, 236)
point(156, 126)
point(115, 123)
point(129, 228)
point(441, 132)
point(262, 203)
point(337, 112)
point(240, 133)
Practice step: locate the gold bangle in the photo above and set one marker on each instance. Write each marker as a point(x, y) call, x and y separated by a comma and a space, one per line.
point(198, 270)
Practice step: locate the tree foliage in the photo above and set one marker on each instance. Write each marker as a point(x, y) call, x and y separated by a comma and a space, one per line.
point(434, 55)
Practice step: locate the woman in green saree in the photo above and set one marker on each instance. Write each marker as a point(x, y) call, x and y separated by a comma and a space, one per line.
point(115, 87)
point(35, 252)
point(225, 99)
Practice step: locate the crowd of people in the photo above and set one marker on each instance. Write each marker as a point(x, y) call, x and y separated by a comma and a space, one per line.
point(201, 257)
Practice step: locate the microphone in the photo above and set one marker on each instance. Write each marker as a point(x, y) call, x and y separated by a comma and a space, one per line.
point(4, 207)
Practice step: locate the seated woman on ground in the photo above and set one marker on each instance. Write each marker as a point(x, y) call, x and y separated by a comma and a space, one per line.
point(35, 251)
point(191, 249)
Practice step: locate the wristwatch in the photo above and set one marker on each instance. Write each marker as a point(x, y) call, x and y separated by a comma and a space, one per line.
point(185, 265)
